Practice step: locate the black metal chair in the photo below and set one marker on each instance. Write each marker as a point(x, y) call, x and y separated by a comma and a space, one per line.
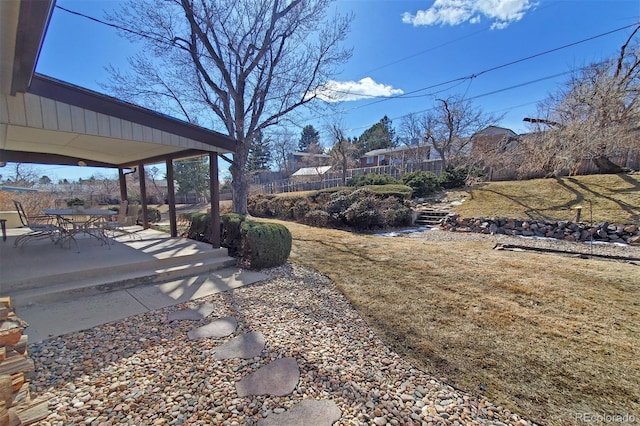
point(41, 226)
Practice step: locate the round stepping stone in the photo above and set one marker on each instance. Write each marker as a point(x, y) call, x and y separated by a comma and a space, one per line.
point(244, 346)
point(277, 378)
point(192, 314)
point(219, 328)
point(308, 412)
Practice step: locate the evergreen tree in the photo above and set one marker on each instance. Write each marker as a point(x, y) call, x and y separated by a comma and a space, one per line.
point(259, 153)
point(308, 137)
point(380, 135)
point(192, 174)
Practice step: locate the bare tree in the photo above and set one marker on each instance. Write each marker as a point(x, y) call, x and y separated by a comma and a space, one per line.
point(595, 115)
point(22, 175)
point(415, 133)
point(343, 152)
point(283, 143)
point(242, 64)
point(450, 125)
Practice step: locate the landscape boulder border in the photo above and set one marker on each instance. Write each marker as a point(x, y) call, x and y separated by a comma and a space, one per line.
point(604, 232)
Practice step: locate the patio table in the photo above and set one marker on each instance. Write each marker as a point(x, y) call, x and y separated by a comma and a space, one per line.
point(86, 221)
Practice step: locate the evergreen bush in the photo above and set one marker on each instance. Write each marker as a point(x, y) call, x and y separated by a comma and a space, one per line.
point(456, 177)
point(199, 227)
point(264, 244)
point(153, 215)
point(423, 183)
point(230, 235)
point(372, 179)
point(364, 214)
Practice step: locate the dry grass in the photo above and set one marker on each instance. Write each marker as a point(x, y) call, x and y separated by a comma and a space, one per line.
point(613, 198)
point(550, 337)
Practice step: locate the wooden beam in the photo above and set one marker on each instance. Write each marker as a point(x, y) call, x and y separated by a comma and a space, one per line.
point(123, 185)
point(143, 196)
point(171, 195)
point(9, 156)
point(214, 190)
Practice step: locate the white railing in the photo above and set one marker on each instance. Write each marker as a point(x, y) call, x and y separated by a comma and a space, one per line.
point(334, 179)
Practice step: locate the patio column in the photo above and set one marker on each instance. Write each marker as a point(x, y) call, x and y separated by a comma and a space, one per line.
point(123, 184)
point(143, 196)
point(171, 196)
point(214, 190)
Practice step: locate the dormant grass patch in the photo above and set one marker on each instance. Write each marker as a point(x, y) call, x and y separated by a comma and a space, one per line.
point(549, 337)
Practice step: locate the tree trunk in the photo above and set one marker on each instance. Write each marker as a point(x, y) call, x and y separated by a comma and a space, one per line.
point(240, 181)
point(606, 166)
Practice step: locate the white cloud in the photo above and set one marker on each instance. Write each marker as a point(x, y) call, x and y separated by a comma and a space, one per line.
point(455, 12)
point(340, 91)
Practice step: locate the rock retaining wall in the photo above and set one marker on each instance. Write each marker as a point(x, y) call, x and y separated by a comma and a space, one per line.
point(564, 230)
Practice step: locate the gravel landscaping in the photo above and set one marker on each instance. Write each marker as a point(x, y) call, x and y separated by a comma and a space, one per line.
point(144, 370)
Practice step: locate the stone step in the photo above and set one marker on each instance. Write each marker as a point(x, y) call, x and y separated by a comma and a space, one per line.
point(122, 277)
point(430, 217)
point(168, 266)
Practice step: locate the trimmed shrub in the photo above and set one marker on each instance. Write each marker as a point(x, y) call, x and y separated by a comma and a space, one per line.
point(152, 214)
point(456, 177)
point(264, 244)
point(401, 192)
point(372, 179)
point(231, 237)
point(423, 183)
point(200, 226)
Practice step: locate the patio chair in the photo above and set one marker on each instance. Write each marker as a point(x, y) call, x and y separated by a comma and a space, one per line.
point(123, 220)
point(41, 226)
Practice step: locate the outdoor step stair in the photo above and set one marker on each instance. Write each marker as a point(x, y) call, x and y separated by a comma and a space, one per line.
point(78, 284)
point(430, 217)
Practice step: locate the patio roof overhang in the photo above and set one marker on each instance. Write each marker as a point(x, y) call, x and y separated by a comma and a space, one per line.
point(48, 121)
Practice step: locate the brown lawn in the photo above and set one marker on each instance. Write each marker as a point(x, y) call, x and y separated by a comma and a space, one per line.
point(549, 336)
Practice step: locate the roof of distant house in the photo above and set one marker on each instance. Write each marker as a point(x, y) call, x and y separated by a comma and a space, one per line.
point(312, 171)
point(391, 150)
point(309, 154)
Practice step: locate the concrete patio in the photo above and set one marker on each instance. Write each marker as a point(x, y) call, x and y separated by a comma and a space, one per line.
point(59, 290)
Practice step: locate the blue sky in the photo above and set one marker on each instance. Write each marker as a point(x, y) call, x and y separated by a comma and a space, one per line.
point(399, 47)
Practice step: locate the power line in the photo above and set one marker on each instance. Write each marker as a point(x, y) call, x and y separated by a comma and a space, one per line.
point(404, 95)
point(446, 43)
point(407, 95)
point(515, 86)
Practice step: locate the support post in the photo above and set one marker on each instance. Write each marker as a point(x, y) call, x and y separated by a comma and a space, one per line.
point(143, 196)
point(171, 196)
point(123, 184)
point(214, 190)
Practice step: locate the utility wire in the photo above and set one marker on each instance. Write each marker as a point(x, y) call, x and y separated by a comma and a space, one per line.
point(405, 95)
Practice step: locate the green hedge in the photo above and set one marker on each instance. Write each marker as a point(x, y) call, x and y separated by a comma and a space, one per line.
point(199, 227)
point(231, 237)
point(257, 244)
point(264, 244)
point(423, 183)
point(372, 179)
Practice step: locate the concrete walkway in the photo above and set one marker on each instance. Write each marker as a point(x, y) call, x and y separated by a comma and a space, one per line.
point(54, 318)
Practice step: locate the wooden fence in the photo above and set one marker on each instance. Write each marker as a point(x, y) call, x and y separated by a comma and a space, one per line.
point(334, 179)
